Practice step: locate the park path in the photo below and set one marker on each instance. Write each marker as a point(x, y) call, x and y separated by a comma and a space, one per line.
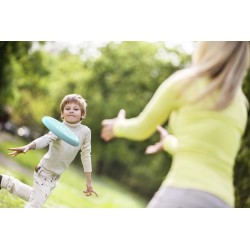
point(7, 161)
point(13, 165)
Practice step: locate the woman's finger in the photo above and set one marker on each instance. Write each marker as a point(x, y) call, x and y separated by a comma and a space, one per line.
point(163, 132)
point(122, 114)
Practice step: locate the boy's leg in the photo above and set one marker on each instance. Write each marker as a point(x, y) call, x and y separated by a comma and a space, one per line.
point(44, 183)
point(15, 187)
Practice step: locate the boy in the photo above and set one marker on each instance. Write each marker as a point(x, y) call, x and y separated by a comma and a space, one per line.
point(57, 159)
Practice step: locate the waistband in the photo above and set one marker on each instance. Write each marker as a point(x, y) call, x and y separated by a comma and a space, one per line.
point(46, 173)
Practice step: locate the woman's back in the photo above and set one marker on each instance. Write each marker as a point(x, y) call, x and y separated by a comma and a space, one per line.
point(207, 116)
point(208, 142)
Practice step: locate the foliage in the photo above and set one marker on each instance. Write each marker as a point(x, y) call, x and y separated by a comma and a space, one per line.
point(125, 75)
point(9, 52)
point(68, 192)
point(41, 83)
point(242, 166)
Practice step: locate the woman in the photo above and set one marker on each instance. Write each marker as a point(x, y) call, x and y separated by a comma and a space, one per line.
point(206, 112)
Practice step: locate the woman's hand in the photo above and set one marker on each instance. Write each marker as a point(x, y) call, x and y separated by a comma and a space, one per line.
point(89, 191)
point(152, 149)
point(107, 132)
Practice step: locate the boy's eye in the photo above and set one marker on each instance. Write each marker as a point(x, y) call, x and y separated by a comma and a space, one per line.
point(68, 108)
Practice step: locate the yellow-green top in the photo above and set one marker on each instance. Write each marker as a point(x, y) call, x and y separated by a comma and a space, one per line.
point(205, 142)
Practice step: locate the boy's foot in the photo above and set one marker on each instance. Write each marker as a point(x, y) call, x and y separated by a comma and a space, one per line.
point(0, 180)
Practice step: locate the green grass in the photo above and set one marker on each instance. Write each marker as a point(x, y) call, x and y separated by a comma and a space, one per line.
point(68, 193)
point(8, 200)
point(29, 160)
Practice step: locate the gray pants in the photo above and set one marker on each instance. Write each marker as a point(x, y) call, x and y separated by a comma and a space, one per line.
point(44, 183)
point(170, 197)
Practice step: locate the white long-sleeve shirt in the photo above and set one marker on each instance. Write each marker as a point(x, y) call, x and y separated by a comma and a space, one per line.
point(61, 154)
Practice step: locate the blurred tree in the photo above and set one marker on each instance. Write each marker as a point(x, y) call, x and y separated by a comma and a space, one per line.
point(9, 51)
point(41, 83)
point(30, 74)
point(242, 166)
point(126, 75)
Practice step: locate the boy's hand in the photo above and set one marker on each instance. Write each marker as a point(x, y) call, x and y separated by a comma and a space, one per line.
point(17, 151)
point(89, 191)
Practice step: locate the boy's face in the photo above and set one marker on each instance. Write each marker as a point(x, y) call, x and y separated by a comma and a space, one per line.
point(72, 113)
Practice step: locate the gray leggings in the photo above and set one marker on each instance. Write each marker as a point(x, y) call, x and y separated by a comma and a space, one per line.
point(170, 197)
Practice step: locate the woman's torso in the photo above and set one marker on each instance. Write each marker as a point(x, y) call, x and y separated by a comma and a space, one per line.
point(209, 141)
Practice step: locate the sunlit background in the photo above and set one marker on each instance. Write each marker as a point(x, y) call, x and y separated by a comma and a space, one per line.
point(35, 76)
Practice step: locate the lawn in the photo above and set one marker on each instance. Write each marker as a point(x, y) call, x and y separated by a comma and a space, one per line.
point(68, 193)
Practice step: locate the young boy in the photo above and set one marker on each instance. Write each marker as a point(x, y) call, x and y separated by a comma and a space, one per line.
point(58, 157)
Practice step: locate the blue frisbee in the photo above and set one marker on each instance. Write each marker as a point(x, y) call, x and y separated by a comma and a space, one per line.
point(60, 130)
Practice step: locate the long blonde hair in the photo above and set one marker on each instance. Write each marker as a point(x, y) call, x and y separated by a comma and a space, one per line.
point(225, 63)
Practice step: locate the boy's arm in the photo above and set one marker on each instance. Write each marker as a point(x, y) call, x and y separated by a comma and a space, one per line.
point(45, 140)
point(86, 152)
point(86, 162)
point(89, 189)
point(40, 142)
